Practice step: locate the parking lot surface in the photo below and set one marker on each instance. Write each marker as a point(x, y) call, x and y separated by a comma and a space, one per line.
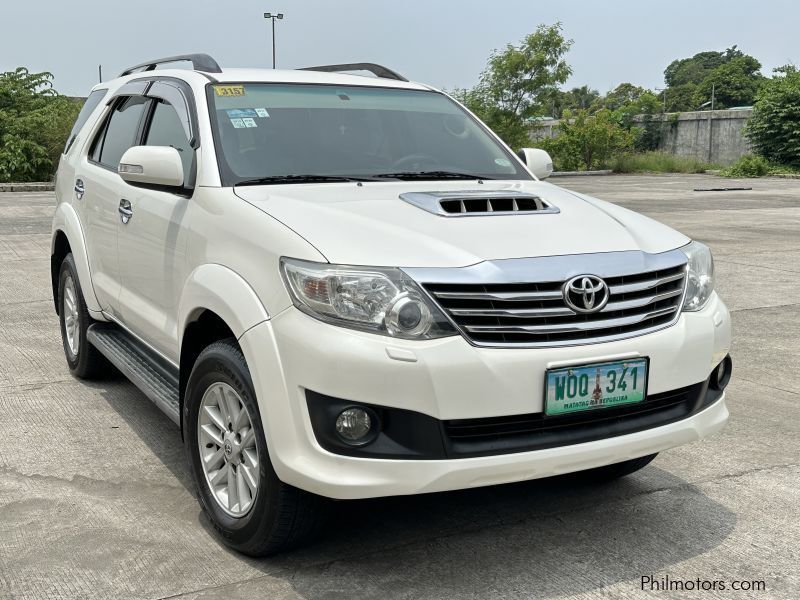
point(96, 500)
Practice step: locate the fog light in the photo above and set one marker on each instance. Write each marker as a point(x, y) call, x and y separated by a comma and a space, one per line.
point(355, 426)
point(722, 374)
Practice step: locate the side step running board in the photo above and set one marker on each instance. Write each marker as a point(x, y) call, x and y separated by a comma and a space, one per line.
point(149, 372)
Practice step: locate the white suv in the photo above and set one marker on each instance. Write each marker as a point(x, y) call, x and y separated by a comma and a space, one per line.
point(344, 286)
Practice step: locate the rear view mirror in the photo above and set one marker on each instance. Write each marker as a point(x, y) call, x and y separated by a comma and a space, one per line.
point(538, 161)
point(152, 165)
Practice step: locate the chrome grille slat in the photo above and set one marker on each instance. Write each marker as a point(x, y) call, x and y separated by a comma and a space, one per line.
point(638, 302)
point(577, 326)
point(508, 296)
point(511, 312)
point(515, 312)
point(644, 285)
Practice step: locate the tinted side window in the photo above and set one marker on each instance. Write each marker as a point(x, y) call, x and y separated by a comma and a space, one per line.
point(120, 133)
point(166, 130)
point(91, 103)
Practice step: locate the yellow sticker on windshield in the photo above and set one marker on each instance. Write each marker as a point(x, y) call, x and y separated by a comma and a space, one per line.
point(229, 90)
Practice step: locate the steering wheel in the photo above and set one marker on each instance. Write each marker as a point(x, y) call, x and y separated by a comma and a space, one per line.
point(410, 161)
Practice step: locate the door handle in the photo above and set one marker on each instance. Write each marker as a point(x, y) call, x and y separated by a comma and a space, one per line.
point(80, 190)
point(125, 211)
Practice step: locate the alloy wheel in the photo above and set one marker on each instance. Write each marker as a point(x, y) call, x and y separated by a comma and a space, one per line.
point(71, 316)
point(228, 451)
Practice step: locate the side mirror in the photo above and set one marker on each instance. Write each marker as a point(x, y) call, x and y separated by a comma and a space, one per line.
point(538, 161)
point(152, 165)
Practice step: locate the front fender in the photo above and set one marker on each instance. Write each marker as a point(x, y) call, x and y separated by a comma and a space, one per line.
point(223, 291)
point(66, 220)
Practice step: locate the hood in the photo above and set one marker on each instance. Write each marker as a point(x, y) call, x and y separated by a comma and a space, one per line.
point(370, 224)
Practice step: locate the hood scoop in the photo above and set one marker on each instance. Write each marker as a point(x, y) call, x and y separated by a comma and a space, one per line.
point(478, 203)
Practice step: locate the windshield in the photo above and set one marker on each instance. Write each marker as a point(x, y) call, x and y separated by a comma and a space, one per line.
point(280, 133)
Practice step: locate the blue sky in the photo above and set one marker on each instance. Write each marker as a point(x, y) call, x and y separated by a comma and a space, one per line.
point(441, 42)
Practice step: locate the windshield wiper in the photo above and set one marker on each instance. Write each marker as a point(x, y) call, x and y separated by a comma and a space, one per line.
point(431, 175)
point(311, 178)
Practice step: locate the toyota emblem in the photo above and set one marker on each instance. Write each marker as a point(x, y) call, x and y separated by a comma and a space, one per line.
point(586, 293)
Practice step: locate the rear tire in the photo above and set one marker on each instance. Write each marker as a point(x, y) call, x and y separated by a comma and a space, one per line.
point(84, 360)
point(264, 515)
point(614, 471)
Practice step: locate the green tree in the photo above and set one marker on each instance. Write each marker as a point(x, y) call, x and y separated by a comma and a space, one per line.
point(774, 128)
point(735, 83)
point(577, 98)
point(734, 75)
point(587, 141)
point(34, 124)
point(520, 82)
point(622, 95)
point(680, 97)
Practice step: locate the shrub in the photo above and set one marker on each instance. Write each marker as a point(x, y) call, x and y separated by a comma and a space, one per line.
point(774, 128)
point(757, 166)
point(747, 166)
point(586, 142)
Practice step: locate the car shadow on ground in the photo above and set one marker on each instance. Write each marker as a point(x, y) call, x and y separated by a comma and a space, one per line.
point(557, 536)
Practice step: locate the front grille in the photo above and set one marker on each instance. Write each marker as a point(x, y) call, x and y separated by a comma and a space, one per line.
point(535, 314)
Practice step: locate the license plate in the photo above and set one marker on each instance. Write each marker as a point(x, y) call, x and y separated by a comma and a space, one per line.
point(595, 386)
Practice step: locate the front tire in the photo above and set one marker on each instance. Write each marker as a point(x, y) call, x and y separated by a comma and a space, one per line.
point(84, 360)
point(254, 512)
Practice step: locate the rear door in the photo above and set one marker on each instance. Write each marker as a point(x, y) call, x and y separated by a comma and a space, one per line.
point(152, 244)
point(101, 194)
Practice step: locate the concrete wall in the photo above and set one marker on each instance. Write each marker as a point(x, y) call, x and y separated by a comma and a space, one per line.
point(714, 136)
point(687, 134)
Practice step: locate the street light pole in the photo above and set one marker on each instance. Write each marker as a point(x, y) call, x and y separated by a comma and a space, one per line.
point(273, 17)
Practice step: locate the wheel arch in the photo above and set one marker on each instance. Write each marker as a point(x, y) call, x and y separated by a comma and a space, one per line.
point(216, 304)
point(68, 237)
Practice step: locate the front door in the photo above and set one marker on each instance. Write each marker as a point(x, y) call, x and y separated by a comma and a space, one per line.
point(152, 243)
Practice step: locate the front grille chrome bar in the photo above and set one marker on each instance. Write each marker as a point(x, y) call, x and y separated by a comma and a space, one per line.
point(644, 285)
point(510, 296)
point(577, 326)
point(511, 312)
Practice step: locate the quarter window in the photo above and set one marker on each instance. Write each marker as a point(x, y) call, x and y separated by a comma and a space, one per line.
point(88, 108)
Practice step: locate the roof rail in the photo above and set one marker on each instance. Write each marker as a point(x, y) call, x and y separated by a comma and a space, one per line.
point(200, 62)
point(377, 70)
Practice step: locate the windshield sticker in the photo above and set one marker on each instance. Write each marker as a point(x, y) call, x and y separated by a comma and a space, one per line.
point(262, 112)
point(238, 123)
point(503, 162)
point(250, 123)
point(229, 90)
point(241, 113)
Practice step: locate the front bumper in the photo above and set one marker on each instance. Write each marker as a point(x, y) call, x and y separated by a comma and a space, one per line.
point(449, 379)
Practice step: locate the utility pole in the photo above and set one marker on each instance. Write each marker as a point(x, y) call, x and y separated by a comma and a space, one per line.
point(100, 72)
point(273, 17)
point(663, 141)
point(711, 123)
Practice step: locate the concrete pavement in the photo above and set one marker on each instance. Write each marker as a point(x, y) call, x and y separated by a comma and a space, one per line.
point(96, 501)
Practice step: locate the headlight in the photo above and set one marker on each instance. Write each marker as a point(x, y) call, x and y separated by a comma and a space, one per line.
point(701, 276)
point(376, 299)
